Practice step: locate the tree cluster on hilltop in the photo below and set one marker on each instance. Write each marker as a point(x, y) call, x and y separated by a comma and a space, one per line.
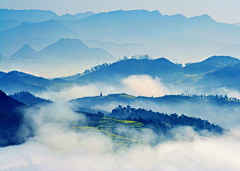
point(148, 117)
point(215, 97)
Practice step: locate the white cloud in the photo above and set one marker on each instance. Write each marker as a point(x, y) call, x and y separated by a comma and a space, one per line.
point(138, 85)
point(56, 146)
point(144, 85)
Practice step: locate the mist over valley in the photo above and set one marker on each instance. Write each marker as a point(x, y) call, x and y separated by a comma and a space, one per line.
point(118, 90)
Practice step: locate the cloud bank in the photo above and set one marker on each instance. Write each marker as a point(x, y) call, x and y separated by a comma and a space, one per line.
point(138, 85)
point(57, 146)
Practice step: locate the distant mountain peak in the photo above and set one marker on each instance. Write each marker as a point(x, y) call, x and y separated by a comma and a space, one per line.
point(27, 46)
point(69, 40)
point(26, 52)
point(65, 43)
point(74, 49)
point(225, 59)
point(204, 17)
point(136, 12)
point(178, 16)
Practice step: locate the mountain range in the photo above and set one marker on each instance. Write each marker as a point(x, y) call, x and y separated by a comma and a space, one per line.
point(141, 26)
point(38, 15)
point(237, 24)
point(123, 33)
point(38, 35)
point(119, 50)
point(214, 72)
point(176, 35)
point(75, 50)
point(12, 119)
point(27, 53)
point(65, 49)
point(196, 74)
point(9, 23)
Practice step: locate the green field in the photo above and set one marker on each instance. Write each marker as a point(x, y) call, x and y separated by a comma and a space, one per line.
point(106, 126)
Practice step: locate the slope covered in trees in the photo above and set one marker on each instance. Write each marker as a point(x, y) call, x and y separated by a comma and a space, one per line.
point(150, 117)
point(11, 118)
point(29, 99)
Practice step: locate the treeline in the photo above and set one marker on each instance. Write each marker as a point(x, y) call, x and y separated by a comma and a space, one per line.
point(214, 97)
point(98, 67)
point(148, 117)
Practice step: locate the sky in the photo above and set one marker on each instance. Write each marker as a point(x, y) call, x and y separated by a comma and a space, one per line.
point(226, 11)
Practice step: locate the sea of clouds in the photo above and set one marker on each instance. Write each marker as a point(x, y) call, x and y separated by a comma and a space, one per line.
point(56, 145)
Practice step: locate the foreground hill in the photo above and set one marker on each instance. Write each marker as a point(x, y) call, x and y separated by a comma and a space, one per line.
point(11, 119)
point(218, 109)
point(125, 125)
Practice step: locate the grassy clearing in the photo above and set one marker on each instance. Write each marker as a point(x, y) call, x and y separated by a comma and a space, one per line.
point(106, 126)
point(127, 96)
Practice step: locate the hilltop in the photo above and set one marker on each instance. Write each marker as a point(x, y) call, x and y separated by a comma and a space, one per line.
point(11, 119)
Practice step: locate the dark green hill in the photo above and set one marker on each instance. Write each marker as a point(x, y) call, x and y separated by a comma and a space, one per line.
point(218, 109)
point(168, 71)
point(124, 125)
point(2, 74)
point(12, 83)
point(11, 119)
point(227, 77)
point(29, 99)
point(161, 67)
point(170, 121)
point(16, 81)
point(210, 64)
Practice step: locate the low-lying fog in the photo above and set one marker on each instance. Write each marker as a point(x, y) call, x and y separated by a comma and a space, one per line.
point(144, 85)
point(57, 146)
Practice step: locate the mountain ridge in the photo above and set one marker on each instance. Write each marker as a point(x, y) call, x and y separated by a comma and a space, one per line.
point(75, 49)
point(27, 52)
point(37, 35)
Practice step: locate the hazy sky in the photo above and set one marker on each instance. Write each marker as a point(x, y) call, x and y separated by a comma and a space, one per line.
point(220, 10)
